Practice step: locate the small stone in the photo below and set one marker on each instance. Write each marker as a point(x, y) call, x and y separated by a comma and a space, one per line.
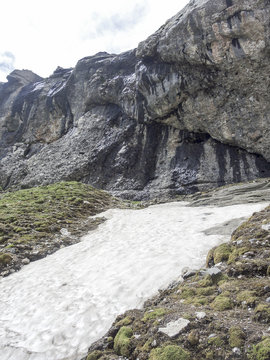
point(5, 273)
point(25, 261)
point(154, 343)
point(249, 254)
point(266, 227)
point(239, 242)
point(213, 272)
point(187, 272)
point(200, 315)
point(268, 300)
point(173, 328)
point(236, 351)
point(64, 232)
point(137, 336)
point(211, 336)
point(266, 288)
point(35, 252)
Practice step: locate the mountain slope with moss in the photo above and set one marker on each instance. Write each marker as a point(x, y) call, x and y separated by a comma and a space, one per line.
point(38, 221)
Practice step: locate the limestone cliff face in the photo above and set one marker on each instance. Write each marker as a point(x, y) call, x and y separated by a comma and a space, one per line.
point(188, 109)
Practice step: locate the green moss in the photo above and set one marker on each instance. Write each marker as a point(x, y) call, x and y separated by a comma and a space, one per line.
point(222, 253)
point(124, 322)
point(205, 291)
point(221, 303)
point(262, 313)
point(94, 355)
point(236, 337)
point(199, 300)
point(151, 315)
point(246, 296)
point(5, 259)
point(169, 352)
point(236, 253)
point(207, 281)
point(147, 346)
point(216, 341)
point(261, 351)
point(209, 355)
point(36, 214)
point(122, 341)
point(223, 279)
point(187, 292)
point(193, 338)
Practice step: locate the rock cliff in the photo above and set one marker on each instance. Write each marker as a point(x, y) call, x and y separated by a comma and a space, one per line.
point(187, 110)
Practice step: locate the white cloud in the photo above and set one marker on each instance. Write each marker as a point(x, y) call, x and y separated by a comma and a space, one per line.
point(7, 60)
point(45, 34)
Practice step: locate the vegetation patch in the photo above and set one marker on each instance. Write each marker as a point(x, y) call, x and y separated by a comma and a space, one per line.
point(216, 341)
point(169, 352)
point(222, 253)
point(261, 351)
point(221, 303)
point(5, 259)
point(124, 322)
point(236, 337)
point(246, 297)
point(30, 218)
point(262, 313)
point(155, 314)
point(122, 341)
point(95, 355)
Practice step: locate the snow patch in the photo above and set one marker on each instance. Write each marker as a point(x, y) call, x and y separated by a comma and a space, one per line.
point(54, 308)
point(56, 88)
point(38, 86)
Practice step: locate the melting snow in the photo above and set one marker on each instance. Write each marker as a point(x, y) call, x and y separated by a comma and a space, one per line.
point(54, 308)
point(56, 88)
point(38, 86)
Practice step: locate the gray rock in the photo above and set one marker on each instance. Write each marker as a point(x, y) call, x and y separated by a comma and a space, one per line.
point(187, 110)
point(25, 261)
point(213, 272)
point(200, 315)
point(236, 351)
point(187, 273)
point(173, 328)
point(154, 343)
point(266, 227)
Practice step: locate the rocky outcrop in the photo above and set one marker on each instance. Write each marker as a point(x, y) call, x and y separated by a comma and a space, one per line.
point(185, 111)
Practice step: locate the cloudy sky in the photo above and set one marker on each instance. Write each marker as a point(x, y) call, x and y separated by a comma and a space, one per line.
point(42, 34)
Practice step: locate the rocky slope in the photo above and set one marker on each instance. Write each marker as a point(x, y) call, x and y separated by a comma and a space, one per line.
point(187, 110)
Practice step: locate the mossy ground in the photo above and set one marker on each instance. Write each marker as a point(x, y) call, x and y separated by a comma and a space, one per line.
point(31, 219)
point(237, 315)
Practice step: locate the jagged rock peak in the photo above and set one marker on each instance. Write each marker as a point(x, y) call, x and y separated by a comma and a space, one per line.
point(23, 77)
